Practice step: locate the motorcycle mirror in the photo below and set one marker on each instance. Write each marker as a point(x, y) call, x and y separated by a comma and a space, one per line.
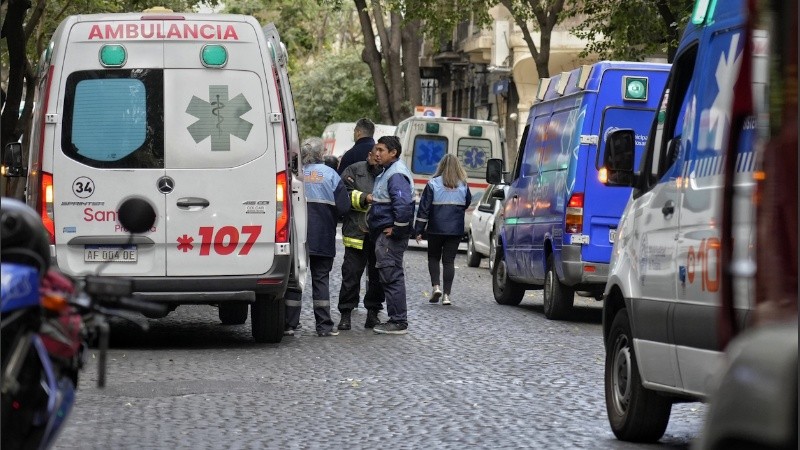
point(136, 215)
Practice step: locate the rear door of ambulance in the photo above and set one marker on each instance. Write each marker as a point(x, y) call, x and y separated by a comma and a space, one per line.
point(223, 141)
point(603, 206)
point(299, 219)
point(107, 144)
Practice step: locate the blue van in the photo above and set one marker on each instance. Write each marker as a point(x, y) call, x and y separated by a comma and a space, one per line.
point(560, 221)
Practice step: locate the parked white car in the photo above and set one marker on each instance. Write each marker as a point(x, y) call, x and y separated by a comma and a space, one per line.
point(482, 229)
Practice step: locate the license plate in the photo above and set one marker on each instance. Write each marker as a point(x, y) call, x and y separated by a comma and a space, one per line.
point(612, 236)
point(113, 253)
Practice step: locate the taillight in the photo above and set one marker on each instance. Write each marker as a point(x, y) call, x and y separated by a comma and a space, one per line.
point(46, 204)
point(574, 218)
point(282, 208)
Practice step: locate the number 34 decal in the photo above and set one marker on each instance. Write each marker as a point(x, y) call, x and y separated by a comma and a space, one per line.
point(223, 241)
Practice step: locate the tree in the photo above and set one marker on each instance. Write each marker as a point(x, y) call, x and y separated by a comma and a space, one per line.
point(631, 30)
point(394, 65)
point(334, 88)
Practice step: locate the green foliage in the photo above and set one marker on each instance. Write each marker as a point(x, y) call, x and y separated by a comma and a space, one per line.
point(440, 18)
point(631, 30)
point(334, 88)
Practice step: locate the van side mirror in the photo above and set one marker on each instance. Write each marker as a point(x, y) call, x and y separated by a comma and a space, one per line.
point(494, 171)
point(12, 161)
point(618, 159)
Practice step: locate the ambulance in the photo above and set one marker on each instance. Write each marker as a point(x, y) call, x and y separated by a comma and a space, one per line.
point(661, 305)
point(425, 140)
point(559, 220)
point(193, 112)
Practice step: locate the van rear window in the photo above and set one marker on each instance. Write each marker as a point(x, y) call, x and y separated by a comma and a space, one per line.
point(428, 151)
point(114, 119)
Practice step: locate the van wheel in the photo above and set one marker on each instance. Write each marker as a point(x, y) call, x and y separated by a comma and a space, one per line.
point(558, 298)
point(473, 257)
point(506, 291)
point(233, 313)
point(267, 317)
point(635, 414)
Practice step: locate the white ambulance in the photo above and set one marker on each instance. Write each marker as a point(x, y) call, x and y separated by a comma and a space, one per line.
point(193, 112)
point(425, 140)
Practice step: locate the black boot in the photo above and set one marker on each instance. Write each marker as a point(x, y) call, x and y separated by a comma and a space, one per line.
point(344, 322)
point(372, 318)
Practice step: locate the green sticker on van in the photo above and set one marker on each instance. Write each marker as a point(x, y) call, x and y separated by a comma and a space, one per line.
point(219, 118)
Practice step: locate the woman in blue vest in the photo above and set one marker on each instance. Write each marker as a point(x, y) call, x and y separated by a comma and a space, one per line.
point(441, 218)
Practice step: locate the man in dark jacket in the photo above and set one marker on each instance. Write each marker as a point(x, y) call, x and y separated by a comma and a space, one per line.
point(326, 200)
point(390, 225)
point(359, 179)
point(362, 135)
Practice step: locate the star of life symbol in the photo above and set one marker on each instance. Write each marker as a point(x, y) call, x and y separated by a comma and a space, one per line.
point(219, 118)
point(475, 158)
point(185, 243)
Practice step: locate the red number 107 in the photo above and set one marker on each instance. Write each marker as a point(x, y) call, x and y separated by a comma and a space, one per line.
point(226, 239)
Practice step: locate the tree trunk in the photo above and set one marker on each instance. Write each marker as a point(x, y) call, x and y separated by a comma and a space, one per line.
point(395, 65)
point(411, 52)
point(372, 57)
point(14, 35)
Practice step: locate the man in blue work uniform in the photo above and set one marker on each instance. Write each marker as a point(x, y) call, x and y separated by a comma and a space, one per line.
point(362, 135)
point(389, 220)
point(327, 201)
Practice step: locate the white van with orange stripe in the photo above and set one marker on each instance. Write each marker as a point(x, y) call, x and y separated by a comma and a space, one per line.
point(193, 112)
point(425, 140)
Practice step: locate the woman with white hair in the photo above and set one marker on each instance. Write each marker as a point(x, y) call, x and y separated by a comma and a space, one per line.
point(326, 201)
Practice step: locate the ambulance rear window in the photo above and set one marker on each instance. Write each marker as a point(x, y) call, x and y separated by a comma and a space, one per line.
point(473, 154)
point(113, 119)
point(427, 152)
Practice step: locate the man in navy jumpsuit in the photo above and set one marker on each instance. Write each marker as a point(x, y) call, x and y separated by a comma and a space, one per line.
point(327, 201)
point(389, 220)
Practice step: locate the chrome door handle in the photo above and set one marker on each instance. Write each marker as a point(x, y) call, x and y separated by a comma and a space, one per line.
point(189, 202)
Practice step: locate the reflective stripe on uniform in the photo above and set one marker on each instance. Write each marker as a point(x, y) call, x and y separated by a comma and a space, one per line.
point(398, 224)
point(294, 303)
point(322, 303)
point(422, 220)
point(353, 242)
point(355, 201)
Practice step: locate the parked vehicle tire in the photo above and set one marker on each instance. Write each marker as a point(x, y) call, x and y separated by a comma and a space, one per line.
point(506, 291)
point(473, 257)
point(635, 414)
point(233, 313)
point(267, 318)
point(558, 298)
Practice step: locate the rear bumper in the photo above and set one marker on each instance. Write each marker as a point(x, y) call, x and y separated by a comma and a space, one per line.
point(215, 289)
point(574, 268)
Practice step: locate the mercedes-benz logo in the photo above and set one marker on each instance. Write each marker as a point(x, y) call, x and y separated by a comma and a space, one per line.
point(165, 185)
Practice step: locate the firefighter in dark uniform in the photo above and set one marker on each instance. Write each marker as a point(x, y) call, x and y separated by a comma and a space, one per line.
point(389, 218)
point(359, 178)
point(327, 201)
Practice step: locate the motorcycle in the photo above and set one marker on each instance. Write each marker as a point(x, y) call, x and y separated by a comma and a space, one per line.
point(47, 322)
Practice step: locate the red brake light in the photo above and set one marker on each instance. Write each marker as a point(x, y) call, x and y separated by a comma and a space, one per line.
point(282, 204)
point(576, 201)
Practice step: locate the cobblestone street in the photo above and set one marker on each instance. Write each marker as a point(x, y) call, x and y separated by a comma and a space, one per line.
point(475, 374)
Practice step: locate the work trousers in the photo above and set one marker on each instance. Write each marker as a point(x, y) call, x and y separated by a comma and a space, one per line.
point(353, 264)
point(442, 247)
point(320, 293)
point(389, 262)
